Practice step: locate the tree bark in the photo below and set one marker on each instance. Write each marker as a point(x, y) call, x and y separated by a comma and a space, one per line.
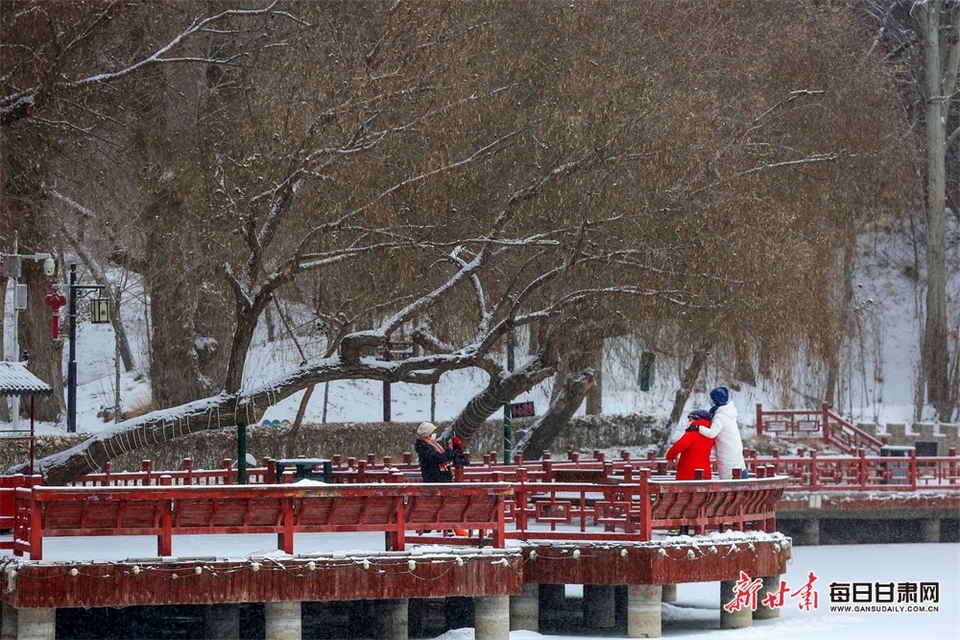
point(565, 403)
point(501, 389)
point(687, 380)
point(937, 90)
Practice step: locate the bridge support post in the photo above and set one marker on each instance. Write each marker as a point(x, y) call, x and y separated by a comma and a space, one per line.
point(668, 593)
point(599, 606)
point(29, 624)
point(283, 620)
point(930, 530)
point(643, 611)
point(739, 618)
point(811, 531)
point(553, 597)
point(771, 584)
point(391, 619)
point(525, 608)
point(223, 621)
point(491, 617)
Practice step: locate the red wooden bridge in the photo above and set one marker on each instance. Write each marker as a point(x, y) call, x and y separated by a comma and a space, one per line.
point(530, 534)
point(606, 524)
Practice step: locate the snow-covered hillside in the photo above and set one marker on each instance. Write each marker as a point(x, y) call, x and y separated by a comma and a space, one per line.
point(879, 364)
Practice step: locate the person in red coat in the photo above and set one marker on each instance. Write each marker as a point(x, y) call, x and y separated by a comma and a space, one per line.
point(693, 448)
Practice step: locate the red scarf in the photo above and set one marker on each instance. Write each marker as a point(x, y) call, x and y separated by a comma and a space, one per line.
point(439, 449)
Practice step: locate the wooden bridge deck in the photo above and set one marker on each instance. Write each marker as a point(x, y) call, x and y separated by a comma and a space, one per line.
point(521, 530)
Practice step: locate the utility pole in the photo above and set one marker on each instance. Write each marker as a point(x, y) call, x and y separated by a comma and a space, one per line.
point(72, 362)
point(11, 269)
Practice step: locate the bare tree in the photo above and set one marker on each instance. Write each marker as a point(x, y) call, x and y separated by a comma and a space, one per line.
point(922, 38)
point(436, 173)
point(941, 63)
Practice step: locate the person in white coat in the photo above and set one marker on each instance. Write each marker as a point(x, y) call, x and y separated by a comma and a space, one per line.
point(726, 434)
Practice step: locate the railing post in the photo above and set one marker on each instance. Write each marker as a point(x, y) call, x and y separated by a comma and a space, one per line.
point(862, 470)
point(826, 422)
point(913, 469)
point(759, 419)
point(147, 467)
point(285, 541)
point(228, 468)
point(646, 510)
point(520, 502)
point(953, 464)
point(165, 539)
point(36, 526)
point(814, 475)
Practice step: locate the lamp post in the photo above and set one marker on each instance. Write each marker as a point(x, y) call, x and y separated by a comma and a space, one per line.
point(72, 362)
point(11, 269)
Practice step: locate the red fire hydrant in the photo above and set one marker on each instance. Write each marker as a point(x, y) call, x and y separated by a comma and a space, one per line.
point(55, 301)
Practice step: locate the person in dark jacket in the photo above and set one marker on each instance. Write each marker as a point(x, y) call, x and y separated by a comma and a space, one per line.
point(436, 461)
point(693, 448)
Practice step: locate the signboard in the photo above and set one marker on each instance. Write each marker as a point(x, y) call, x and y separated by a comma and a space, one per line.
point(522, 410)
point(398, 351)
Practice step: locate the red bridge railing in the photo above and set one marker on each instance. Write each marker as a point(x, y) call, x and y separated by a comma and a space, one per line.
point(805, 471)
point(821, 424)
point(397, 509)
point(405, 512)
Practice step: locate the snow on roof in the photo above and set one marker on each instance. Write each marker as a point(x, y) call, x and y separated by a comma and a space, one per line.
point(16, 380)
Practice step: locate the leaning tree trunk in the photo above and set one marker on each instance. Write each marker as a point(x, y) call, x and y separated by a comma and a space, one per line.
point(501, 389)
point(687, 380)
point(565, 403)
point(225, 410)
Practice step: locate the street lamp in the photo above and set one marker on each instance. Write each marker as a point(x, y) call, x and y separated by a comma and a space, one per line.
point(11, 269)
point(72, 362)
